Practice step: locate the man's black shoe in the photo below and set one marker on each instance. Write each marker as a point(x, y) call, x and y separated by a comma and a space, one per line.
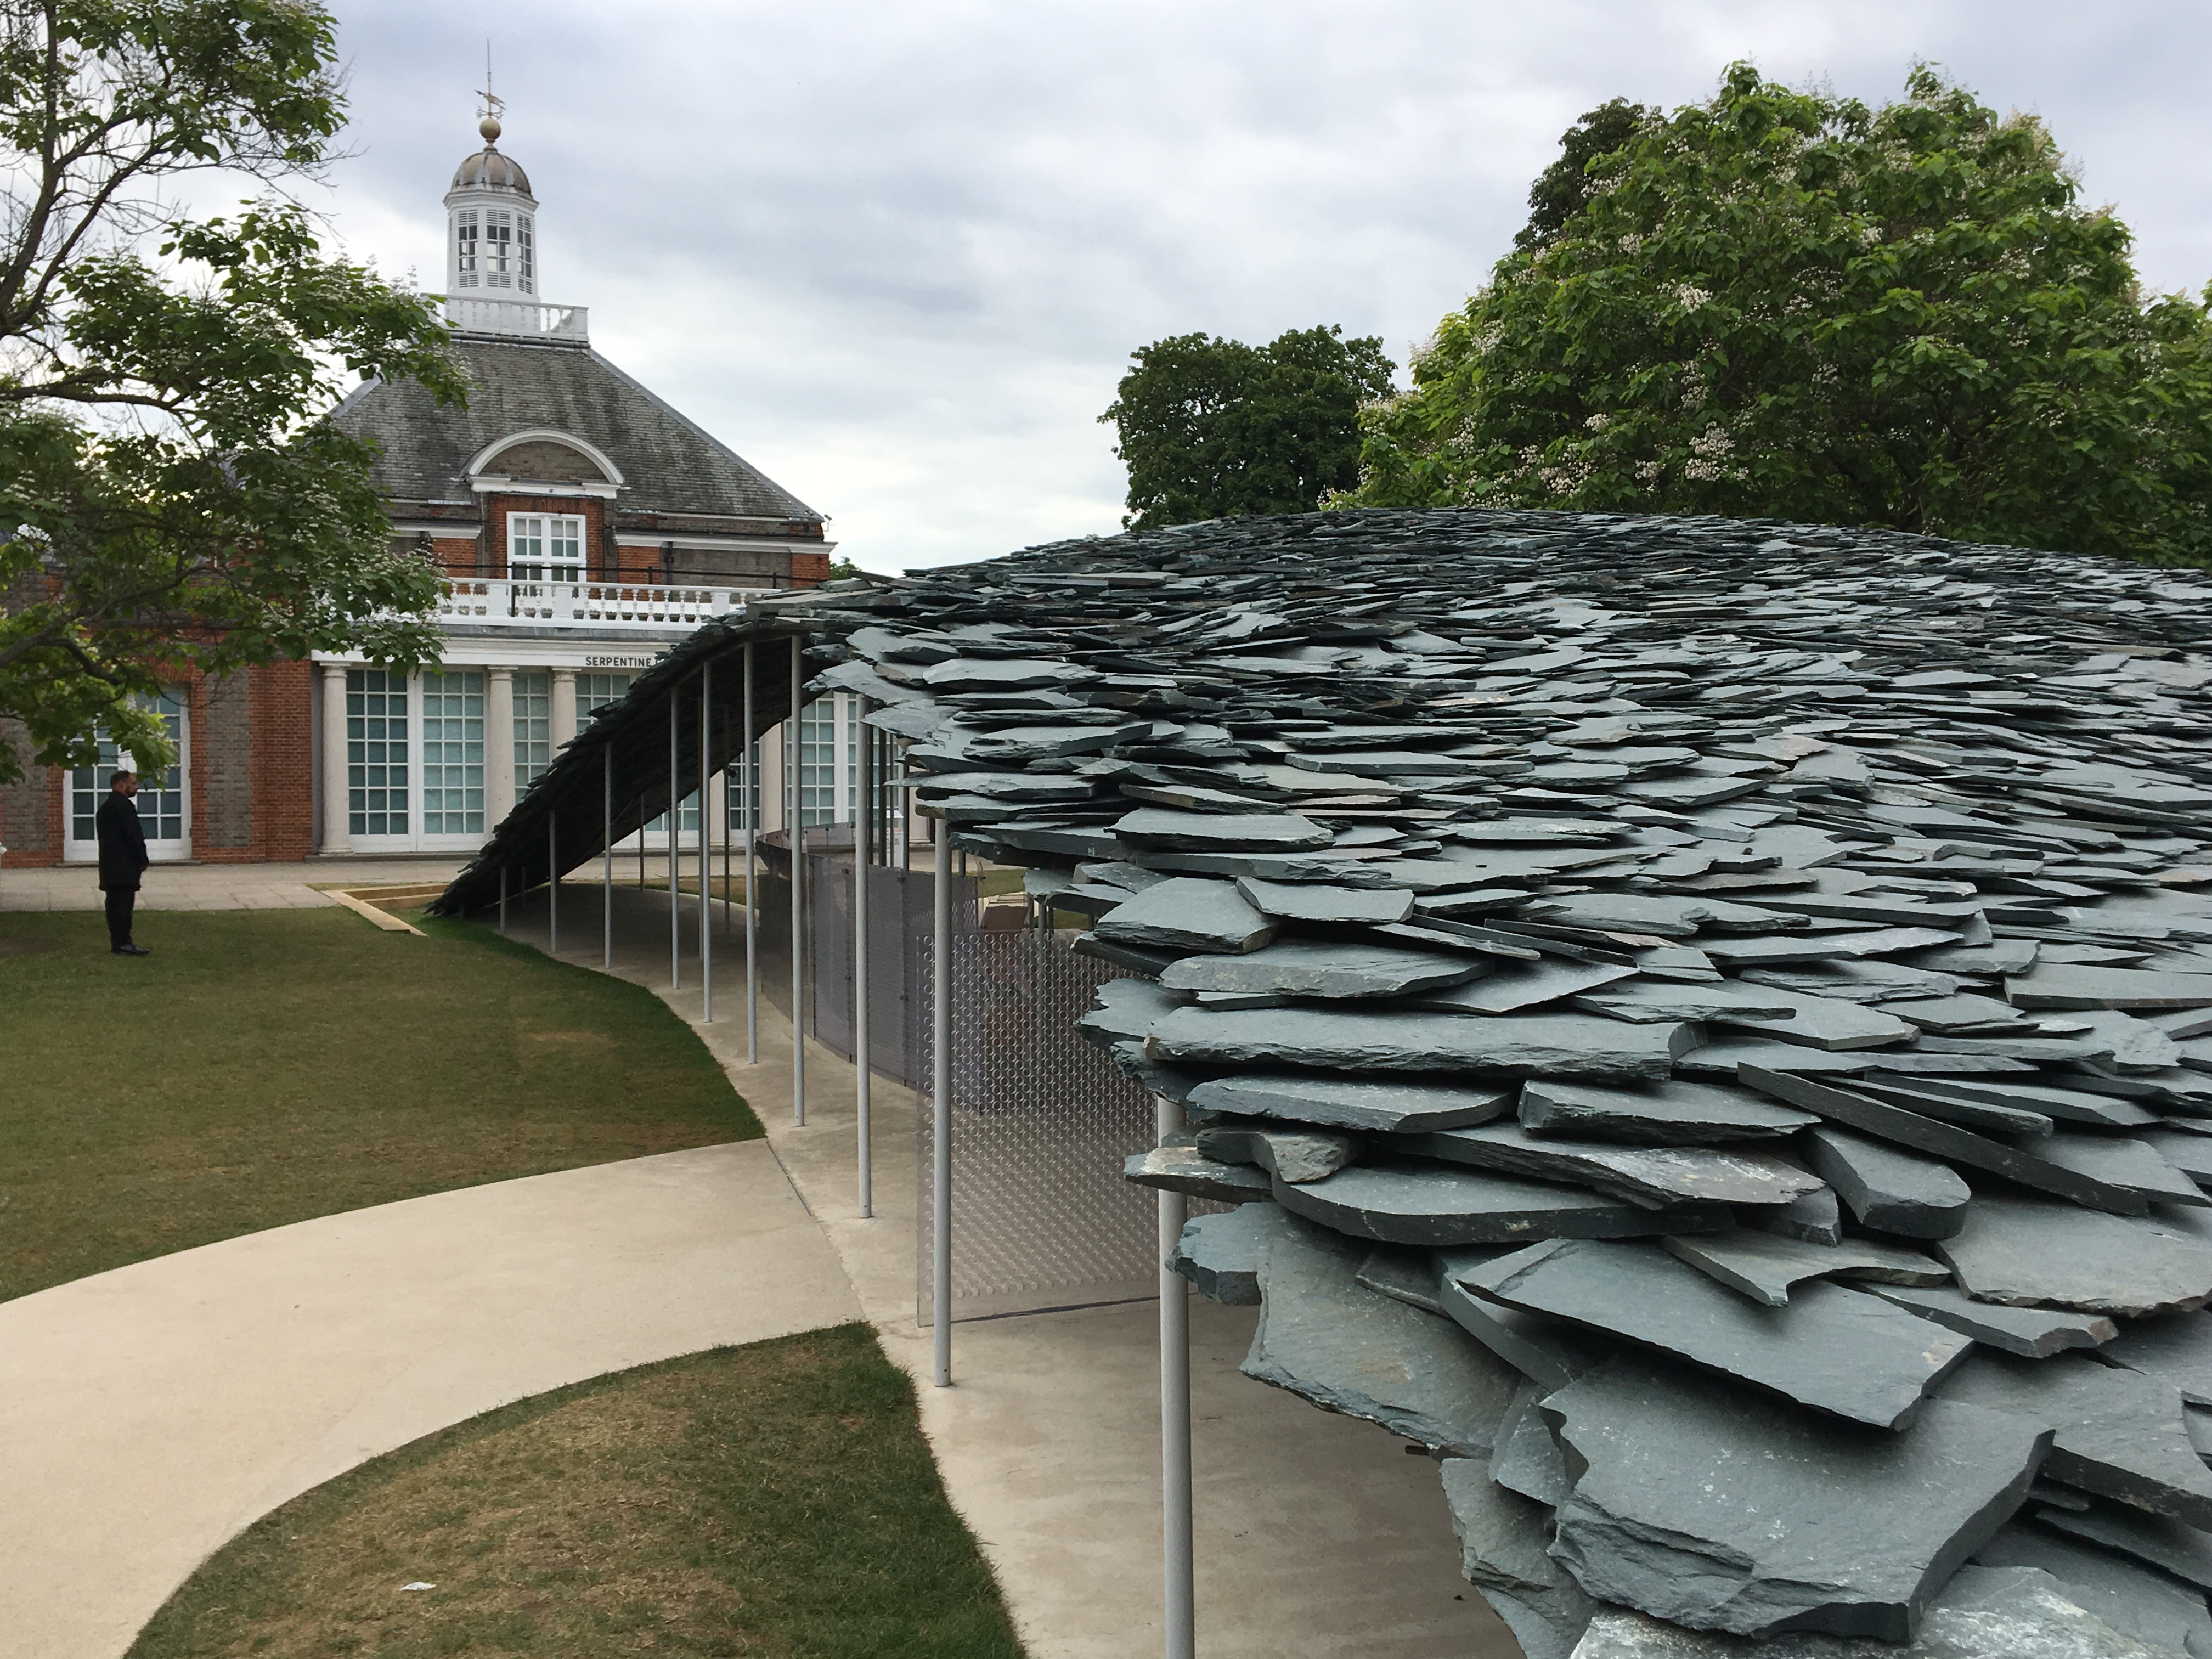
point(129, 951)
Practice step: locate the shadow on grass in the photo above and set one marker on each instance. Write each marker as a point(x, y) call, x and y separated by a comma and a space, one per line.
point(777, 1498)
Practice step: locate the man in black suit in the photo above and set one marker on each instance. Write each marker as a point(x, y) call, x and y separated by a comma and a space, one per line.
point(122, 856)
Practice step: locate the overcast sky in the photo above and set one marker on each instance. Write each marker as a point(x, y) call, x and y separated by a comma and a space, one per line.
point(897, 255)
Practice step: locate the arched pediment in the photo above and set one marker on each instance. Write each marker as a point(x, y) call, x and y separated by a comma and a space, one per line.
point(545, 456)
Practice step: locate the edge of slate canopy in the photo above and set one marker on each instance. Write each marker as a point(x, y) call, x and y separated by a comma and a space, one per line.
point(1878, 775)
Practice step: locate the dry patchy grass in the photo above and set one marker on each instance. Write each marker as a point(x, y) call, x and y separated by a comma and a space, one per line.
point(774, 1500)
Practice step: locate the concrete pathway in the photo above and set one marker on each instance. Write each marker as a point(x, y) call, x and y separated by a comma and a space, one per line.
point(150, 1413)
point(218, 886)
point(1316, 1536)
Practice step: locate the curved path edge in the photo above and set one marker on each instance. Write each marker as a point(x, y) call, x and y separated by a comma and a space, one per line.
point(150, 1413)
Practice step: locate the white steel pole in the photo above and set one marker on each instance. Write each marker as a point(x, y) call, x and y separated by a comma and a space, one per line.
point(752, 914)
point(607, 855)
point(796, 835)
point(940, 1089)
point(1179, 1609)
point(864, 829)
point(675, 818)
point(706, 858)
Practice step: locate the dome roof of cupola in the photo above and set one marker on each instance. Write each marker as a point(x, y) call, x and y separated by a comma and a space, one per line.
point(488, 168)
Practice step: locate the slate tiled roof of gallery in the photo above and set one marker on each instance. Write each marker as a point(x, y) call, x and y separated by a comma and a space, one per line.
point(1708, 1025)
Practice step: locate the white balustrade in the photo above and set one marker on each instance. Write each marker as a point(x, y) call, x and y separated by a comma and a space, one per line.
point(499, 603)
point(524, 317)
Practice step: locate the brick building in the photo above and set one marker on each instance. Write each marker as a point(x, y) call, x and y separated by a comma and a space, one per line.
point(581, 526)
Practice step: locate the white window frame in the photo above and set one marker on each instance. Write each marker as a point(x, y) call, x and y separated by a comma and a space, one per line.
point(159, 850)
point(544, 532)
point(417, 839)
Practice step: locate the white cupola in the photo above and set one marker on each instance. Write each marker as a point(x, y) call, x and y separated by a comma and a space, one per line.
point(491, 225)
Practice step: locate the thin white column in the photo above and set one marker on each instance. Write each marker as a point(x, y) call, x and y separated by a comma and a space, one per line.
point(337, 773)
point(1179, 1606)
point(940, 1103)
point(500, 778)
point(706, 852)
point(675, 848)
point(607, 857)
point(752, 911)
point(796, 834)
point(564, 706)
point(863, 834)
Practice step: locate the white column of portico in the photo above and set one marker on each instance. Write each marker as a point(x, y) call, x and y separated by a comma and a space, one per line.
point(499, 745)
point(564, 706)
point(337, 791)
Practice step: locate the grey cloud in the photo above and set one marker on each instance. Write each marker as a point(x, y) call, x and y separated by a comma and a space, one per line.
point(898, 255)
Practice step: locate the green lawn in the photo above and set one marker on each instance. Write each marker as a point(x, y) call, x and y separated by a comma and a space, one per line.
point(775, 1500)
point(265, 1067)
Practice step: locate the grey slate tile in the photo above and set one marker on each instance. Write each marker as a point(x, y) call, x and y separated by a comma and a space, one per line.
point(1675, 1113)
point(1549, 1045)
point(1839, 1351)
point(1438, 1206)
point(1721, 1507)
point(1187, 913)
point(2032, 1332)
point(1888, 1189)
point(1325, 1336)
point(1351, 1103)
point(2023, 1252)
point(2115, 1432)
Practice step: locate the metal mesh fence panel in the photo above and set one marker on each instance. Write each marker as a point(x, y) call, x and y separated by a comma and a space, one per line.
point(899, 926)
point(1041, 1122)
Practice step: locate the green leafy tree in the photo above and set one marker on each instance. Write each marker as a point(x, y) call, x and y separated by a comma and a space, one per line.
point(1783, 304)
point(1561, 188)
point(170, 493)
point(1213, 429)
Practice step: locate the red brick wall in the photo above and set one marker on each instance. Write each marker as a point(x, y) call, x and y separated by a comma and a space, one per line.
point(808, 568)
point(284, 761)
point(591, 509)
point(280, 766)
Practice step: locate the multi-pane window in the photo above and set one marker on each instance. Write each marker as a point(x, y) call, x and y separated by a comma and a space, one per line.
point(161, 801)
point(376, 752)
point(453, 754)
point(524, 254)
point(533, 726)
point(598, 690)
point(829, 775)
point(464, 247)
point(544, 547)
point(743, 791)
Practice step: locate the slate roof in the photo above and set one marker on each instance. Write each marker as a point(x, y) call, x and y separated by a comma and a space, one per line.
point(1707, 1026)
point(670, 464)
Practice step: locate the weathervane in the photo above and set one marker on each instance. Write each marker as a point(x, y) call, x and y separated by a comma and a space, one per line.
point(491, 105)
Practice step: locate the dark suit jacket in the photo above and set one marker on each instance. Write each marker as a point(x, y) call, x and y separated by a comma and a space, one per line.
point(122, 841)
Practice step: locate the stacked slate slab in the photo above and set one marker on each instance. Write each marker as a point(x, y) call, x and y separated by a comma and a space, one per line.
point(1708, 1024)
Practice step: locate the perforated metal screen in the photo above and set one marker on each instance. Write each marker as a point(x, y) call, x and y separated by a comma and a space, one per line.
point(1041, 1122)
